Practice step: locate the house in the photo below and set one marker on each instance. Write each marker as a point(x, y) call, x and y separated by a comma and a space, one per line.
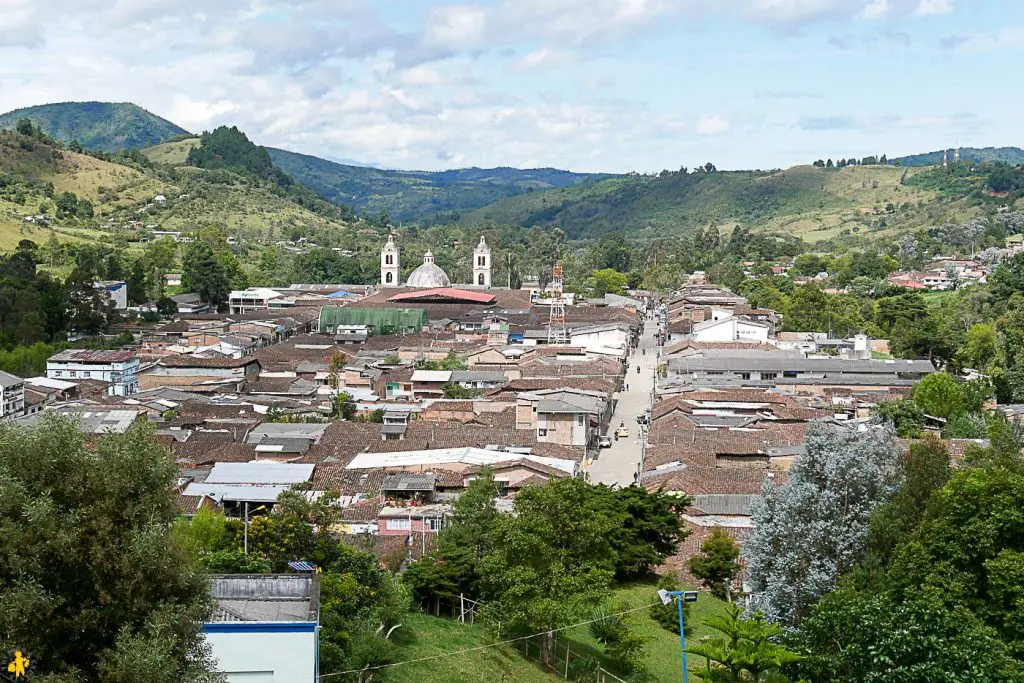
point(190, 303)
point(117, 290)
point(265, 627)
point(730, 328)
point(798, 374)
point(184, 370)
point(351, 334)
point(479, 379)
point(94, 421)
point(244, 488)
point(570, 417)
point(257, 299)
point(12, 395)
point(119, 369)
point(607, 337)
point(172, 280)
point(430, 383)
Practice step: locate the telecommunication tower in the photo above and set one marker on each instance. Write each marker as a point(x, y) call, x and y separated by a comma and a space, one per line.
point(557, 333)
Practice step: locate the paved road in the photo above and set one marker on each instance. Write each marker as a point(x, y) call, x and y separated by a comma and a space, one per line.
point(618, 464)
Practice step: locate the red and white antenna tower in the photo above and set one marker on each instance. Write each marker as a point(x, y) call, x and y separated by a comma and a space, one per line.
point(557, 333)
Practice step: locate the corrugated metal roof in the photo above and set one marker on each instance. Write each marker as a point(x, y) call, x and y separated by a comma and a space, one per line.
point(431, 376)
point(236, 492)
point(259, 473)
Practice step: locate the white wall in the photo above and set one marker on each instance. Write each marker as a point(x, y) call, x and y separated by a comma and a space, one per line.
point(251, 656)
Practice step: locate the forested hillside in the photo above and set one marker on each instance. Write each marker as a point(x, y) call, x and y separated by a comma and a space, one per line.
point(418, 195)
point(1009, 155)
point(105, 126)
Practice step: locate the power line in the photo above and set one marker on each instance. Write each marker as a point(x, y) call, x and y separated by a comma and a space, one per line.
point(484, 647)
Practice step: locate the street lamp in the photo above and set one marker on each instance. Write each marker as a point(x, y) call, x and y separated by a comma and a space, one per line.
point(680, 597)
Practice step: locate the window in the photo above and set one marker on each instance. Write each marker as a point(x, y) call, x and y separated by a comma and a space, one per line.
point(58, 373)
point(389, 259)
point(769, 375)
point(542, 432)
point(579, 420)
point(481, 260)
point(388, 278)
point(744, 375)
point(480, 279)
point(86, 374)
point(789, 373)
point(434, 524)
point(398, 525)
point(72, 373)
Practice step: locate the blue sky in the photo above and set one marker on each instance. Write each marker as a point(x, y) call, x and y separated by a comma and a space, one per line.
point(589, 85)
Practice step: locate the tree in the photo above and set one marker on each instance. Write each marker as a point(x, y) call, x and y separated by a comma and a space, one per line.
point(159, 259)
point(813, 528)
point(921, 640)
point(716, 565)
point(749, 651)
point(647, 527)
point(539, 576)
point(204, 274)
point(981, 348)
point(344, 406)
point(605, 281)
point(904, 416)
point(24, 127)
point(939, 395)
point(93, 582)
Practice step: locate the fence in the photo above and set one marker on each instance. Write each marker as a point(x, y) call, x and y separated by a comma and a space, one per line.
point(562, 661)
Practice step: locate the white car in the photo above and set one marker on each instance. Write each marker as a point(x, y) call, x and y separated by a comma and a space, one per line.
point(605, 442)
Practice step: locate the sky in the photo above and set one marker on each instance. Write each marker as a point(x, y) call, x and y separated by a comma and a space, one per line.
point(586, 85)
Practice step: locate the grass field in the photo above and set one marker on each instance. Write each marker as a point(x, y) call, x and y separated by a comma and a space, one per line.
point(171, 153)
point(427, 636)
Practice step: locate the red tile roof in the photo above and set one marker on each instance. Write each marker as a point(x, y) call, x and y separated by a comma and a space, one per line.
point(449, 293)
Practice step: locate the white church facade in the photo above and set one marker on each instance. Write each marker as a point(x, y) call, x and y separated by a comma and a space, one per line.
point(429, 275)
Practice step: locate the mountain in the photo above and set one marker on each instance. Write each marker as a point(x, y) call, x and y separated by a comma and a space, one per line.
point(806, 201)
point(418, 195)
point(406, 196)
point(121, 197)
point(1010, 155)
point(105, 126)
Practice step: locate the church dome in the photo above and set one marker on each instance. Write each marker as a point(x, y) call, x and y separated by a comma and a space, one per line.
point(429, 275)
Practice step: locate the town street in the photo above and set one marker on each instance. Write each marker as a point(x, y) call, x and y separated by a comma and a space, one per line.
point(618, 464)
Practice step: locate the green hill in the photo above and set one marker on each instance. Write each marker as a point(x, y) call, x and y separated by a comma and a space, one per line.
point(418, 195)
point(105, 126)
point(814, 203)
point(1010, 155)
point(122, 198)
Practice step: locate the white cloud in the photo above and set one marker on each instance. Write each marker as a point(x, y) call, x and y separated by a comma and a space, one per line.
point(928, 8)
point(541, 57)
point(876, 9)
point(712, 125)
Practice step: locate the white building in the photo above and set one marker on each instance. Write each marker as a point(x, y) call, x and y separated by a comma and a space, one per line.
point(117, 290)
point(257, 299)
point(119, 369)
point(265, 627)
point(605, 338)
point(730, 329)
point(482, 264)
point(12, 395)
point(390, 269)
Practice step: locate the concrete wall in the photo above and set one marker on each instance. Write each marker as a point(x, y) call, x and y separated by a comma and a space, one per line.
point(254, 652)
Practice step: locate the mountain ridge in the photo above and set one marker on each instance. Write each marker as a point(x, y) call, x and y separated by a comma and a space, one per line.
point(104, 126)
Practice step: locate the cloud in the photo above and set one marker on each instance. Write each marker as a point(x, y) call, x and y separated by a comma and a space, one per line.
point(928, 8)
point(544, 56)
point(1007, 38)
point(877, 124)
point(712, 125)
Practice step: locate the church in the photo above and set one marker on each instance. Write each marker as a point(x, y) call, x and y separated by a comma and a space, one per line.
point(429, 275)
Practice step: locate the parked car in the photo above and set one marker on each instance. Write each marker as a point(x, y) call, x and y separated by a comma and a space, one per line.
point(605, 442)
